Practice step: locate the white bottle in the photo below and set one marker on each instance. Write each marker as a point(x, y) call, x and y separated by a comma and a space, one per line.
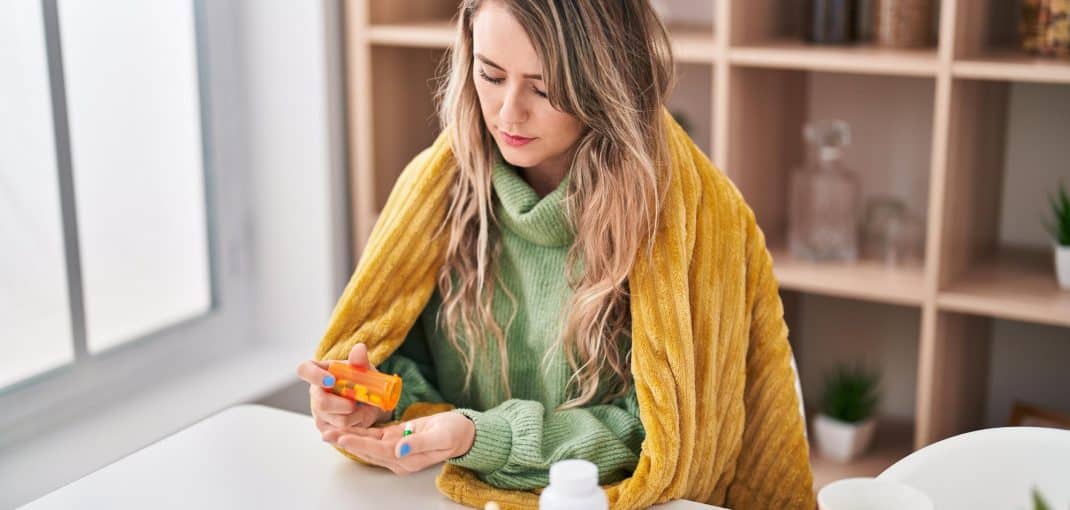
point(573, 486)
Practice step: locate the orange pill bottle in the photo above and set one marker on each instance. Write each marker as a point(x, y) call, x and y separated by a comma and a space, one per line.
point(365, 386)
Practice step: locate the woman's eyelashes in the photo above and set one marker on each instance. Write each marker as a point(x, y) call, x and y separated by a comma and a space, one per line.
point(488, 78)
point(498, 81)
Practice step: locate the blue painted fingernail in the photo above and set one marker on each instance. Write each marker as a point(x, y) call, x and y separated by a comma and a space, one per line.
point(328, 381)
point(405, 449)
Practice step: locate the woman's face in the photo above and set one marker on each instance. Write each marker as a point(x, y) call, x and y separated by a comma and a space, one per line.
point(512, 95)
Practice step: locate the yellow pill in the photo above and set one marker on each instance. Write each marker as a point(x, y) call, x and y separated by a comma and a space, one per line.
point(376, 399)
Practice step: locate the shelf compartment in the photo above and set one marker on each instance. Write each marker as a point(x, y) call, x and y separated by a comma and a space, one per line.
point(772, 34)
point(1014, 284)
point(693, 96)
point(401, 82)
point(865, 280)
point(409, 11)
point(692, 43)
point(995, 258)
point(790, 54)
point(987, 46)
point(890, 151)
point(691, 27)
point(873, 334)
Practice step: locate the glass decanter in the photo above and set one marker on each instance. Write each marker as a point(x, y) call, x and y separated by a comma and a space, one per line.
point(824, 200)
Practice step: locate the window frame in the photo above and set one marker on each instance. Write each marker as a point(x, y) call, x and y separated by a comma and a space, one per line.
point(90, 381)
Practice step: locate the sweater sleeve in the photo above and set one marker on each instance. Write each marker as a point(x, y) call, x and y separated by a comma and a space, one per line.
point(773, 469)
point(412, 362)
point(517, 441)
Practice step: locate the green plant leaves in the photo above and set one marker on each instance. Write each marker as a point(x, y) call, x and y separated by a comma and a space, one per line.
point(850, 394)
point(1059, 226)
point(1038, 501)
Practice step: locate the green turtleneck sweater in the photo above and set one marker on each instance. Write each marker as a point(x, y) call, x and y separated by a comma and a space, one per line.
point(518, 439)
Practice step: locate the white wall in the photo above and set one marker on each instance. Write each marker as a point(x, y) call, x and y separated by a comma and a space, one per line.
point(294, 130)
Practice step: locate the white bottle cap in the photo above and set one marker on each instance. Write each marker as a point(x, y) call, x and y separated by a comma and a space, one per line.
point(574, 477)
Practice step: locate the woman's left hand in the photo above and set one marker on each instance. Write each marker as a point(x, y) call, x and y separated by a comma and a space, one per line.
point(434, 439)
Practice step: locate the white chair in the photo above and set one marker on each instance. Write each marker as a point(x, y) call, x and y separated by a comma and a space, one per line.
point(992, 468)
point(799, 393)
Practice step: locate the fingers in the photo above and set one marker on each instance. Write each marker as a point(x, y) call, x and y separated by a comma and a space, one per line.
point(315, 373)
point(371, 449)
point(432, 439)
point(366, 445)
point(420, 461)
point(328, 402)
point(336, 438)
point(380, 451)
point(330, 433)
point(358, 356)
point(363, 417)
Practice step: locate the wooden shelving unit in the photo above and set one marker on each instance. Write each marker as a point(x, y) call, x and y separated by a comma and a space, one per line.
point(1011, 66)
point(795, 54)
point(748, 87)
point(1012, 284)
point(896, 286)
point(693, 43)
point(427, 34)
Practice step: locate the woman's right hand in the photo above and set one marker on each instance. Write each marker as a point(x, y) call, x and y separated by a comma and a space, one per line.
point(335, 415)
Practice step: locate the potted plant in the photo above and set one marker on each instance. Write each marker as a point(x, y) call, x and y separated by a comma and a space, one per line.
point(1059, 227)
point(844, 428)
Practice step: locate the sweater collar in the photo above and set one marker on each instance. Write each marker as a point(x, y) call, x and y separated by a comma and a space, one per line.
point(519, 209)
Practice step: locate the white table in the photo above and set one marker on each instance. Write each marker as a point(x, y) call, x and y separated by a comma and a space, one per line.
point(252, 457)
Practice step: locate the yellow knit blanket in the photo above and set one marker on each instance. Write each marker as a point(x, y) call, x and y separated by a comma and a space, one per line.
point(710, 355)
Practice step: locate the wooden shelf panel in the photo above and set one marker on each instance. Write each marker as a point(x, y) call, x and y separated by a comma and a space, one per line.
point(1016, 285)
point(693, 43)
point(1012, 66)
point(892, 441)
point(865, 280)
point(789, 54)
point(423, 34)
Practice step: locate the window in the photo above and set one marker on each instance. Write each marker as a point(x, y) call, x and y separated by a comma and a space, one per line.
point(109, 228)
point(136, 163)
point(34, 303)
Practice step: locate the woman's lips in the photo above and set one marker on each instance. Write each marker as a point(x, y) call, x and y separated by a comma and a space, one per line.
point(515, 141)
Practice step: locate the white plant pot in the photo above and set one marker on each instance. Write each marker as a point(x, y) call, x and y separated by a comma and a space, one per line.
point(1062, 266)
point(842, 441)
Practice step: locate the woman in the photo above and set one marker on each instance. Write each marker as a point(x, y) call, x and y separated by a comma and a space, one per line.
point(561, 169)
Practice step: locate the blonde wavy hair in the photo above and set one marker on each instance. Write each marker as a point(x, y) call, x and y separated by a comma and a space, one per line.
point(610, 65)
